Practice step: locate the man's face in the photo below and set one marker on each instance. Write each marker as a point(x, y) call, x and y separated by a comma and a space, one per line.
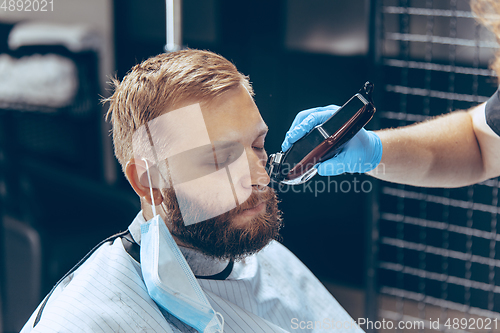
point(217, 196)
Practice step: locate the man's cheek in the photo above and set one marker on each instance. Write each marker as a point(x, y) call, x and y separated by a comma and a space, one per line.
point(210, 196)
point(239, 172)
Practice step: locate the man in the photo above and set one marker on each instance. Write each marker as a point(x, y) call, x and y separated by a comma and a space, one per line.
point(454, 150)
point(190, 140)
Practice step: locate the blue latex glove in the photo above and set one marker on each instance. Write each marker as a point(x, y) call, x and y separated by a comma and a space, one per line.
point(361, 154)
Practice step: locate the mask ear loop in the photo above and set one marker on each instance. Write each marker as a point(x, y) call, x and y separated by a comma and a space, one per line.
point(153, 206)
point(221, 321)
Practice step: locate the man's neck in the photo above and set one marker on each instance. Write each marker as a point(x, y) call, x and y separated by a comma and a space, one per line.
point(200, 263)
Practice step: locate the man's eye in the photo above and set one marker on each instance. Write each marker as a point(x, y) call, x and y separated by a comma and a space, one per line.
point(258, 148)
point(221, 160)
point(224, 160)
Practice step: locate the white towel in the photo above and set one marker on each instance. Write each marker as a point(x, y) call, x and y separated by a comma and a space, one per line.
point(76, 38)
point(39, 80)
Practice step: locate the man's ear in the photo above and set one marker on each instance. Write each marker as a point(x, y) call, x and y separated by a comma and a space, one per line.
point(137, 176)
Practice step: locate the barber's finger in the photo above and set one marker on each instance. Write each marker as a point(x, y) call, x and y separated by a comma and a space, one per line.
point(305, 121)
point(293, 136)
point(304, 114)
point(304, 127)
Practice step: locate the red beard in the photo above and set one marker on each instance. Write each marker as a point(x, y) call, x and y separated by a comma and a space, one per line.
point(220, 237)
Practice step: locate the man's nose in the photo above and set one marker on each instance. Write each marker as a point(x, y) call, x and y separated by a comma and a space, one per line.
point(258, 174)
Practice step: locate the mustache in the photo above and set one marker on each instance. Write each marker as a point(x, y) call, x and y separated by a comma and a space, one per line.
point(257, 197)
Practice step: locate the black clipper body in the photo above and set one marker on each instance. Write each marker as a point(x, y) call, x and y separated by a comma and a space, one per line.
point(297, 164)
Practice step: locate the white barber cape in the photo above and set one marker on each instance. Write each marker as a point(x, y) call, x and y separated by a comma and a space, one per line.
point(271, 291)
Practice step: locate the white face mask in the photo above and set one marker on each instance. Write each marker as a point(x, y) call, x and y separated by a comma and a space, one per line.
point(169, 279)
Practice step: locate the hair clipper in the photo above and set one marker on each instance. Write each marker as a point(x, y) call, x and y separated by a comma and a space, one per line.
point(297, 164)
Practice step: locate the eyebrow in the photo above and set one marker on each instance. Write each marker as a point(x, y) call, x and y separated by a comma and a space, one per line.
point(224, 144)
point(263, 131)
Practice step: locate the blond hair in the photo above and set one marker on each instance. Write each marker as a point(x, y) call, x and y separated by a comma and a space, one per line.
point(159, 84)
point(488, 13)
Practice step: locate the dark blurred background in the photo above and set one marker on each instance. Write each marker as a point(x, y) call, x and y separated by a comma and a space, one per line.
point(62, 191)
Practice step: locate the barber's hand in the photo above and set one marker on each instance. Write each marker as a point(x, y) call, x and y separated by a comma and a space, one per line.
point(361, 154)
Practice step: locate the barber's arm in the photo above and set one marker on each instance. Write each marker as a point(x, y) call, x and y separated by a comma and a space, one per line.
point(453, 150)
